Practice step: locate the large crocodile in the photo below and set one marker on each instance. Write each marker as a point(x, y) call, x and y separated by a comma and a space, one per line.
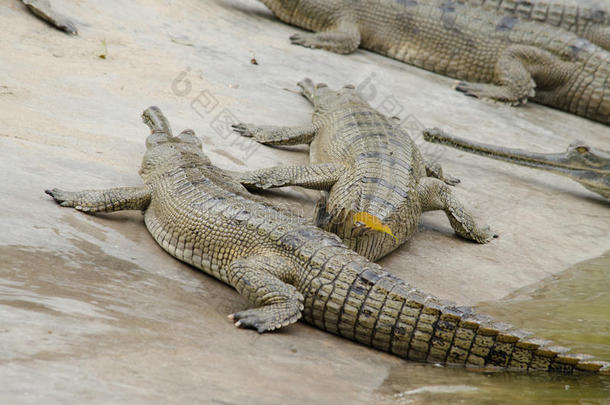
point(376, 180)
point(589, 19)
point(498, 57)
point(583, 163)
point(288, 269)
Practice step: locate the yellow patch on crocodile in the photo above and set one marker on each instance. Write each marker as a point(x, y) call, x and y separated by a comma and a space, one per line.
point(372, 222)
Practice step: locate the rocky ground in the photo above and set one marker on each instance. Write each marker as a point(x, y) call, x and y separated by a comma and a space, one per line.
point(93, 310)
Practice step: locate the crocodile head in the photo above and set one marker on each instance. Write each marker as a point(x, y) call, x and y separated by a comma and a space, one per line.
point(162, 148)
point(582, 163)
point(322, 97)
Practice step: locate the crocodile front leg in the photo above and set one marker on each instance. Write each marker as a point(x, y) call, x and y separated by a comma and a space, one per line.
point(317, 177)
point(435, 170)
point(265, 281)
point(436, 195)
point(513, 75)
point(344, 38)
point(275, 135)
point(109, 200)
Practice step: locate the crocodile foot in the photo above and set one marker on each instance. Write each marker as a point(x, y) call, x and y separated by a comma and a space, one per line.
point(480, 235)
point(260, 133)
point(268, 317)
point(436, 170)
point(495, 93)
point(304, 39)
point(452, 181)
point(247, 130)
point(252, 181)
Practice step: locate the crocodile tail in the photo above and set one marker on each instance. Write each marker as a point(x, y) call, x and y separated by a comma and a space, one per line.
point(428, 329)
point(377, 309)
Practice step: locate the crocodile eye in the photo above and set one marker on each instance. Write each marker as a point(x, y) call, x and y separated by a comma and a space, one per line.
point(349, 86)
point(582, 149)
point(321, 85)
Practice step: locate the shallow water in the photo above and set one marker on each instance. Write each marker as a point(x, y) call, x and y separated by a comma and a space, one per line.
point(82, 325)
point(572, 309)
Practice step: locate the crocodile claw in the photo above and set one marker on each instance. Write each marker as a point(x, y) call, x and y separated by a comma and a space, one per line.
point(451, 181)
point(485, 235)
point(493, 93)
point(268, 318)
point(252, 181)
point(302, 39)
point(243, 129)
point(463, 87)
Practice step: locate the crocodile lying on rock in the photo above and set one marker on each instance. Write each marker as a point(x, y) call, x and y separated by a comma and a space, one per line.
point(587, 165)
point(375, 178)
point(498, 57)
point(288, 269)
point(589, 19)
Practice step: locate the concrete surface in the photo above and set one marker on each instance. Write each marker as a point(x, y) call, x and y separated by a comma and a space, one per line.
point(93, 310)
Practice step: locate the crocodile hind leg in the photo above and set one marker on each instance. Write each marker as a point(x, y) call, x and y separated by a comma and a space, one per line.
point(109, 200)
point(265, 281)
point(317, 177)
point(343, 38)
point(513, 82)
point(274, 135)
point(436, 195)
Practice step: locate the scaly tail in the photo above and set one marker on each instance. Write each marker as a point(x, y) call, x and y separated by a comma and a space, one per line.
point(371, 306)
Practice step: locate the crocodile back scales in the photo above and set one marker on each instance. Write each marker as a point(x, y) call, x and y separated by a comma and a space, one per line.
point(201, 216)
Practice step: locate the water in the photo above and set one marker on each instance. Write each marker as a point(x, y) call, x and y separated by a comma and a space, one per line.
point(83, 326)
point(572, 309)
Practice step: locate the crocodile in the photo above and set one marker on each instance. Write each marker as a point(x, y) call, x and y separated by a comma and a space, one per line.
point(374, 179)
point(589, 19)
point(288, 269)
point(585, 164)
point(43, 10)
point(495, 57)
